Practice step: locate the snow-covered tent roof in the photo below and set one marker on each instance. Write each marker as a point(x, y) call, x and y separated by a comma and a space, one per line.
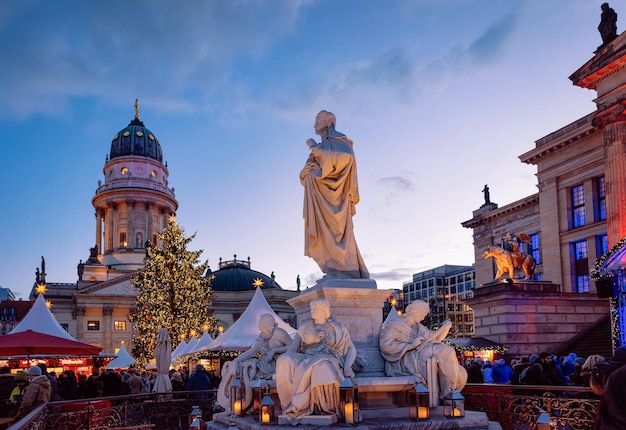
point(181, 347)
point(40, 319)
point(244, 332)
point(123, 360)
point(393, 316)
point(192, 343)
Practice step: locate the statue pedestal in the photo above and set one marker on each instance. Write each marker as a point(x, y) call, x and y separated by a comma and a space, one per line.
point(357, 305)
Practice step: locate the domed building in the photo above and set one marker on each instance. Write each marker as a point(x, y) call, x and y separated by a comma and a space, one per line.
point(234, 285)
point(133, 205)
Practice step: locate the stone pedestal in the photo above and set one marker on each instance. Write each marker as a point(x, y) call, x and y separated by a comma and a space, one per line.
point(357, 305)
point(532, 316)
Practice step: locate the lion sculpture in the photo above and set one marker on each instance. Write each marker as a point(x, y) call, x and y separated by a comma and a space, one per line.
point(507, 261)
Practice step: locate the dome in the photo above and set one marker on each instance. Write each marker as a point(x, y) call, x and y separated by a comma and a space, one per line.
point(136, 139)
point(236, 275)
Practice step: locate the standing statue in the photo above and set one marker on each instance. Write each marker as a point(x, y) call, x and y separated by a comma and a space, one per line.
point(608, 24)
point(406, 345)
point(259, 362)
point(330, 195)
point(309, 373)
point(486, 194)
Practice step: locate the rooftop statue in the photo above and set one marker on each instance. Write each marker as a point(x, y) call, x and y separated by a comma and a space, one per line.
point(309, 373)
point(259, 362)
point(608, 24)
point(331, 193)
point(406, 345)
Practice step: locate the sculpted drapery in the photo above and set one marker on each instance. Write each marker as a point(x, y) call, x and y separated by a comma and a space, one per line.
point(309, 374)
point(406, 345)
point(330, 195)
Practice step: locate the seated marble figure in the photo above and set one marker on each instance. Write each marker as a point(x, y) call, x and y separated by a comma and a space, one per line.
point(258, 362)
point(309, 373)
point(406, 345)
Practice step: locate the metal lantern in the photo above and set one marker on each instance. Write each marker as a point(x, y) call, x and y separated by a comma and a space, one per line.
point(236, 397)
point(268, 410)
point(348, 402)
point(419, 402)
point(257, 396)
point(454, 405)
point(195, 418)
point(544, 422)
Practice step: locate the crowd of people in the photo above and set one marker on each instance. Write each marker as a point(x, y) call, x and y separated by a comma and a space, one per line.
point(606, 376)
point(23, 391)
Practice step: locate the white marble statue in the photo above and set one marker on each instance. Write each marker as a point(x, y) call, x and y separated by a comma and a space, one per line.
point(406, 344)
point(309, 373)
point(258, 362)
point(330, 195)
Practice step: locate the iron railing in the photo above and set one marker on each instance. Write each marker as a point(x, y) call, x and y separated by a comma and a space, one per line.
point(154, 410)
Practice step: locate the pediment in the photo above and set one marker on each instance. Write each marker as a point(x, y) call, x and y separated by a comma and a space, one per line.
point(115, 287)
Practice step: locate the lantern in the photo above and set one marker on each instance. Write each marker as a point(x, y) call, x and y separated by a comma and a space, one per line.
point(268, 410)
point(195, 418)
point(236, 397)
point(419, 402)
point(348, 402)
point(544, 422)
point(454, 405)
point(257, 396)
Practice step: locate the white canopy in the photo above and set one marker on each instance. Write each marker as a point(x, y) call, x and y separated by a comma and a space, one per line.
point(123, 360)
point(244, 332)
point(40, 319)
point(393, 316)
point(181, 347)
point(187, 349)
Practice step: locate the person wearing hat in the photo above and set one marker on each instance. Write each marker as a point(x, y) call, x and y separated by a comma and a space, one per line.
point(37, 392)
point(15, 399)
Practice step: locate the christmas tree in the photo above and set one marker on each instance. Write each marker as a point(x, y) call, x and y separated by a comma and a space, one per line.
point(173, 293)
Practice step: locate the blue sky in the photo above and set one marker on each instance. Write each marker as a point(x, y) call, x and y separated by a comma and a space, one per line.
point(439, 96)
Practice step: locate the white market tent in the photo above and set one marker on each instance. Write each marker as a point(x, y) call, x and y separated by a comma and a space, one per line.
point(122, 361)
point(186, 350)
point(181, 347)
point(244, 332)
point(39, 319)
point(393, 316)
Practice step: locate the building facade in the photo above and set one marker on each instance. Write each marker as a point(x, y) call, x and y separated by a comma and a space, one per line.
point(445, 289)
point(133, 205)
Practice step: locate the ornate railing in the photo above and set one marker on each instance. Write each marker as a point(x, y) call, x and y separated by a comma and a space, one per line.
point(518, 407)
point(170, 411)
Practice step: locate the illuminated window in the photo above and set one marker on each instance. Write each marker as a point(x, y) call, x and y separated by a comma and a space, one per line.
point(581, 268)
point(93, 325)
point(601, 200)
point(123, 242)
point(119, 325)
point(602, 244)
point(578, 206)
point(533, 247)
point(124, 170)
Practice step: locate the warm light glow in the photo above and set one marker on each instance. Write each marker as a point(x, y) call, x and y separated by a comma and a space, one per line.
point(400, 313)
point(193, 332)
point(220, 329)
point(237, 407)
point(394, 302)
point(349, 413)
point(258, 282)
point(265, 417)
point(456, 413)
point(122, 342)
point(49, 304)
point(41, 288)
point(205, 327)
point(422, 412)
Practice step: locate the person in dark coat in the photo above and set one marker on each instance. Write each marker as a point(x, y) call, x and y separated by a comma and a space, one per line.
point(7, 384)
point(474, 372)
point(177, 382)
point(111, 383)
point(199, 381)
point(611, 413)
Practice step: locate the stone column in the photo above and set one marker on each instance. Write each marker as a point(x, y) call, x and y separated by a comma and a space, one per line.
point(130, 227)
point(615, 180)
point(107, 312)
point(99, 216)
point(79, 316)
point(150, 209)
point(109, 226)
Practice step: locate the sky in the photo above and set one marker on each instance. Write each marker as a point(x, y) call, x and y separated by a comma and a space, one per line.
point(440, 97)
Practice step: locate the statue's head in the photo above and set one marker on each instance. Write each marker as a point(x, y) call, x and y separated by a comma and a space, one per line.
point(320, 308)
point(266, 323)
point(325, 120)
point(418, 309)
